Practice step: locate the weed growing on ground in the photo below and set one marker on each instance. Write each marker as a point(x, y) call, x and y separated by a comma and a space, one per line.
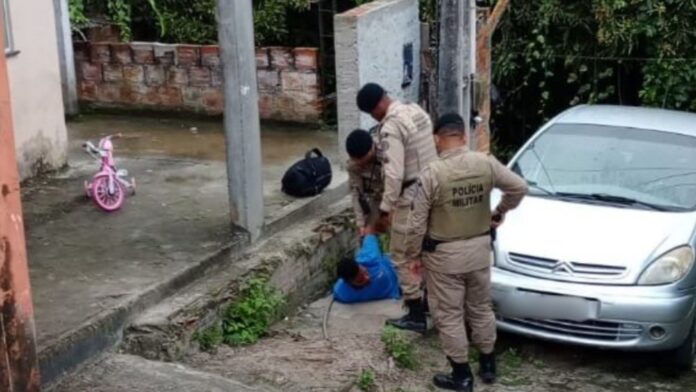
point(511, 359)
point(384, 240)
point(400, 348)
point(209, 338)
point(366, 380)
point(248, 319)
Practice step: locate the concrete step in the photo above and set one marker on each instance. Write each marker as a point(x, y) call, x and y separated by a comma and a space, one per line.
point(103, 329)
point(300, 262)
point(117, 373)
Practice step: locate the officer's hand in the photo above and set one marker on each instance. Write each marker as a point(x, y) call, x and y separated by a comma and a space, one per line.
point(383, 223)
point(497, 219)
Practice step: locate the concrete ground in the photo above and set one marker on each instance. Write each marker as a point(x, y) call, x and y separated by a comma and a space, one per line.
point(298, 358)
point(90, 271)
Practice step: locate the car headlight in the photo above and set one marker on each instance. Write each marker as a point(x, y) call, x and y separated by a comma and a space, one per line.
point(669, 267)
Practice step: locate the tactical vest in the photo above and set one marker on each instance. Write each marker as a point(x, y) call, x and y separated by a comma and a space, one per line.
point(461, 209)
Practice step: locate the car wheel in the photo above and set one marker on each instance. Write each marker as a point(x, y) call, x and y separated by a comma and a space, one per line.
point(682, 357)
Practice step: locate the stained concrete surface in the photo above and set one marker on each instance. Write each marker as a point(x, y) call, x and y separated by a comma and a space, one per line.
point(297, 358)
point(87, 265)
point(117, 373)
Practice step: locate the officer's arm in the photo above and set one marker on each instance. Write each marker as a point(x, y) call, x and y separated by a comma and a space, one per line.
point(355, 184)
point(513, 186)
point(420, 212)
point(392, 145)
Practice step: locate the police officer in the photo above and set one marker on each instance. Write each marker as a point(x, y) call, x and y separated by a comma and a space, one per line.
point(407, 146)
point(449, 229)
point(364, 177)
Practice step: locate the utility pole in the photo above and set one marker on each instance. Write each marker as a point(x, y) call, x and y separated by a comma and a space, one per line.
point(66, 57)
point(242, 128)
point(456, 57)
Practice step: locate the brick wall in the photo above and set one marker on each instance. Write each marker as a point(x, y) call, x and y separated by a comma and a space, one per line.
point(188, 78)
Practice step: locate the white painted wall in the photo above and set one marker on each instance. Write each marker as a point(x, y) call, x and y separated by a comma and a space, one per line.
point(35, 88)
point(369, 48)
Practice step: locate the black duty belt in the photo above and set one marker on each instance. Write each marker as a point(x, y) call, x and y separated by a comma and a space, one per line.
point(430, 244)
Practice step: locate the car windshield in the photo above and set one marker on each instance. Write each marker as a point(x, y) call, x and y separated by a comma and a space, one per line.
point(608, 164)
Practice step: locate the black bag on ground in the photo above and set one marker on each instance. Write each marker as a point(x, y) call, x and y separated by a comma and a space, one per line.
point(309, 176)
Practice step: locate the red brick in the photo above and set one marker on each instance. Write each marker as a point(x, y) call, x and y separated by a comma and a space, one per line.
point(170, 96)
point(133, 94)
point(210, 55)
point(306, 59)
point(90, 72)
point(199, 76)
point(113, 73)
point(177, 76)
point(100, 53)
point(265, 106)
point(267, 80)
point(191, 97)
point(143, 54)
point(81, 51)
point(213, 100)
point(109, 92)
point(154, 75)
point(87, 91)
point(262, 60)
point(133, 73)
point(121, 53)
point(188, 55)
point(281, 57)
point(217, 78)
point(299, 81)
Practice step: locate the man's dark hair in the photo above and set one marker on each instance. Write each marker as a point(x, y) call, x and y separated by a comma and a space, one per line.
point(348, 269)
point(359, 143)
point(369, 96)
point(450, 124)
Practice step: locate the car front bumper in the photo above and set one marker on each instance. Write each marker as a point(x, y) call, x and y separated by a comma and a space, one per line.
point(621, 317)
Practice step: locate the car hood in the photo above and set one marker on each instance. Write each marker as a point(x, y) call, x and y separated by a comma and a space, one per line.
point(592, 234)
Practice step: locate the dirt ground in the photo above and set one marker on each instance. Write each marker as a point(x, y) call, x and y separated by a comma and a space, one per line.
point(297, 358)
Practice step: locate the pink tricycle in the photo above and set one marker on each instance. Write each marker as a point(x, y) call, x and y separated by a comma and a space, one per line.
point(108, 187)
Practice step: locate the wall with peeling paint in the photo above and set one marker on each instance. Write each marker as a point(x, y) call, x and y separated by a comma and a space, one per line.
point(37, 101)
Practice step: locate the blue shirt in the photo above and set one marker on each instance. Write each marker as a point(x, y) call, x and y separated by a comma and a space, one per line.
point(383, 283)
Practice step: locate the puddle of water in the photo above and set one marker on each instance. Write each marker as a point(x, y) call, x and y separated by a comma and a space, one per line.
point(195, 139)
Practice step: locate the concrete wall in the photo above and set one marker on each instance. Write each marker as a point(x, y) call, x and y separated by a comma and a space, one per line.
point(370, 43)
point(37, 102)
point(189, 78)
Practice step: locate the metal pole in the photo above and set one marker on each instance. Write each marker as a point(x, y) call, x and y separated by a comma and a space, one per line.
point(66, 57)
point(450, 89)
point(242, 128)
point(19, 370)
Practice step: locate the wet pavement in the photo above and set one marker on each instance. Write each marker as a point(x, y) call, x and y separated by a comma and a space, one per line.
point(90, 270)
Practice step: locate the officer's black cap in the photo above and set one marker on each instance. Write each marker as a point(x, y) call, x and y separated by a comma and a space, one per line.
point(369, 96)
point(359, 143)
point(451, 122)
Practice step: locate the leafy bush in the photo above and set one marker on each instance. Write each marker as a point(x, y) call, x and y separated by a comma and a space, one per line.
point(366, 380)
point(248, 319)
point(400, 348)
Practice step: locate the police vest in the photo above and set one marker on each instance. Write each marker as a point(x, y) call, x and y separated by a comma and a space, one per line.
point(461, 209)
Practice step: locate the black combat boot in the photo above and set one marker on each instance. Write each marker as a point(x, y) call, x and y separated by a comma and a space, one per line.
point(487, 368)
point(460, 380)
point(414, 320)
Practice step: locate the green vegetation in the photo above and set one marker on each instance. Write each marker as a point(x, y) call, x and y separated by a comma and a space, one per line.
point(182, 21)
point(366, 380)
point(209, 338)
point(400, 348)
point(248, 319)
point(551, 54)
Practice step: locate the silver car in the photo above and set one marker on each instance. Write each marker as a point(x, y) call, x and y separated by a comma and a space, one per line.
point(601, 251)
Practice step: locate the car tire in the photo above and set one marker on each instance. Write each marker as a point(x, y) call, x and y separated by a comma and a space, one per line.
point(682, 358)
